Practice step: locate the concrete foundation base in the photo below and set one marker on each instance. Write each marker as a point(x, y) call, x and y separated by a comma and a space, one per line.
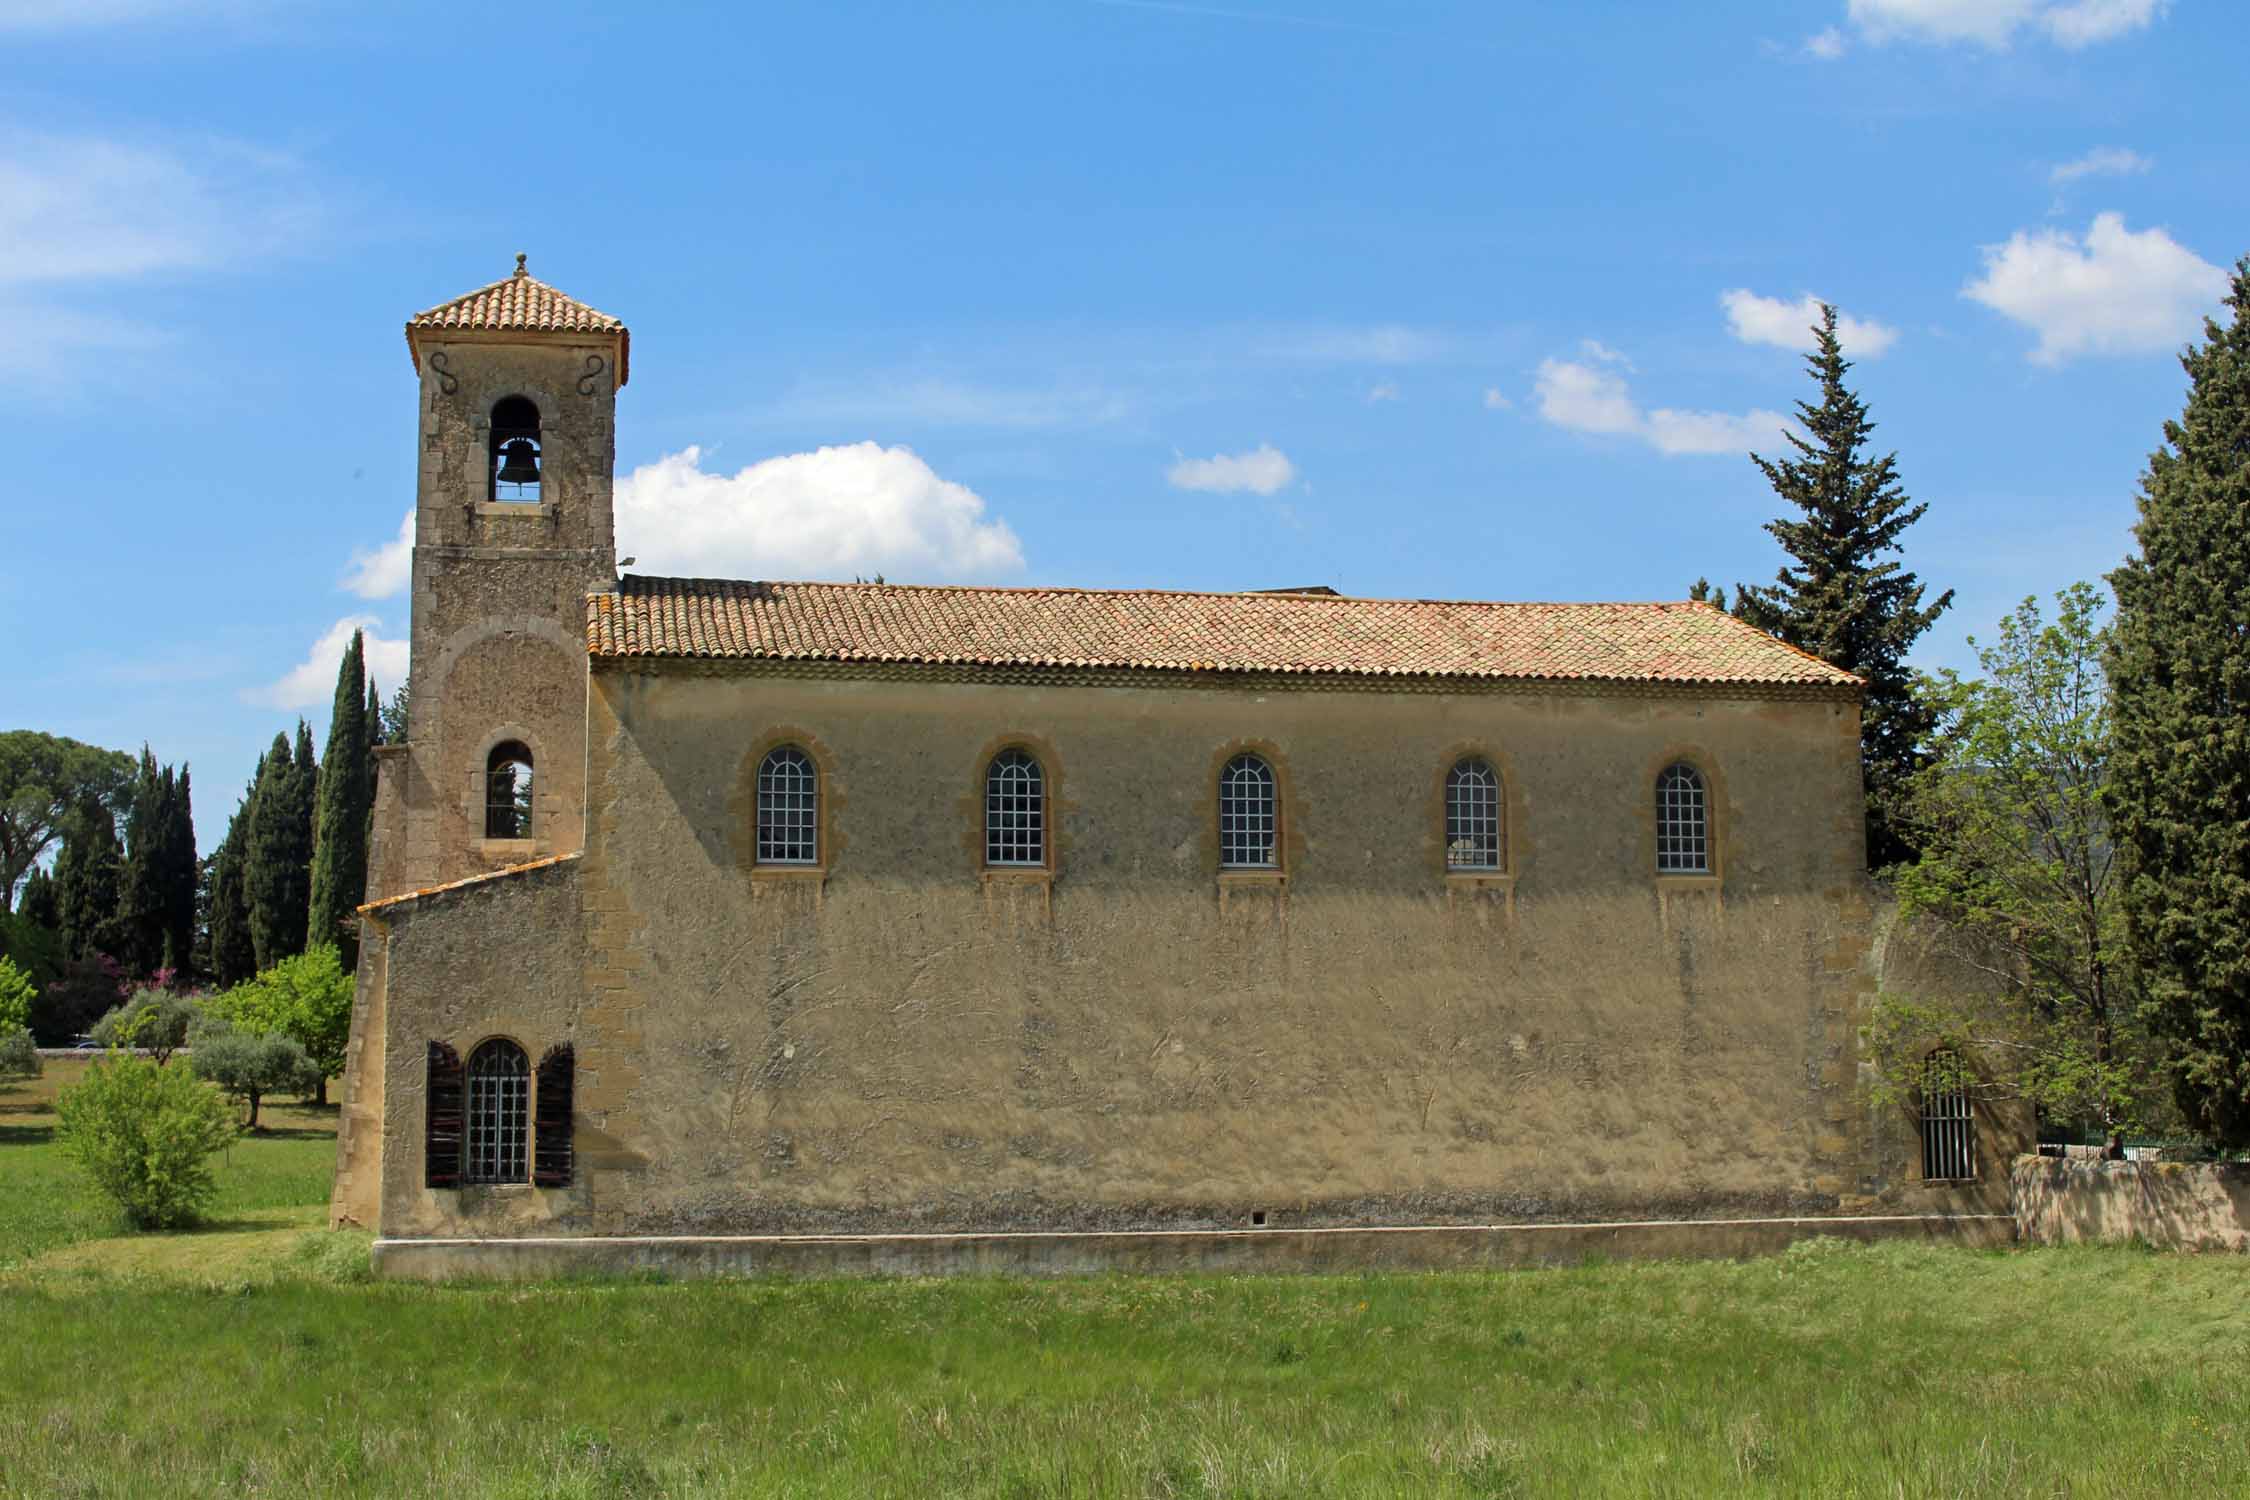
point(1410, 1247)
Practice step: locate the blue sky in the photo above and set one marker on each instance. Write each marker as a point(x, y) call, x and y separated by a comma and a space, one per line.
point(1429, 299)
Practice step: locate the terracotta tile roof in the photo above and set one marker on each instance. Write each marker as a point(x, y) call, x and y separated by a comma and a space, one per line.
point(520, 304)
point(1169, 630)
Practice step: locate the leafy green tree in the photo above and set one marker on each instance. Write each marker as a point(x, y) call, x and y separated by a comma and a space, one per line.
point(249, 1065)
point(277, 858)
point(347, 782)
point(16, 994)
point(19, 1055)
point(42, 778)
point(2180, 789)
point(395, 717)
point(145, 1134)
point(156, 1021)
point(1845, 599)
point(88, 873)
point(38, 903)
point(2019, 879)
point(35, 949)
point(307, 998)
point(88, 989)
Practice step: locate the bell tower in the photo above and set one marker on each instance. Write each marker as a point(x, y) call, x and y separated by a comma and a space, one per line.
point(512, 529)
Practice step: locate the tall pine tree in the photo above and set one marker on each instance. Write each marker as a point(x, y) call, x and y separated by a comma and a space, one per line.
point(140, 915)
point(180, 874)
point(1845, 599)
point(233, 956)
point(277, 856)
point(88, 874)
point(339, 865)
point(2179, 669)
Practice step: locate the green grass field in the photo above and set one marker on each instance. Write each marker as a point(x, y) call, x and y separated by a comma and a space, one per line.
point(255, 1358)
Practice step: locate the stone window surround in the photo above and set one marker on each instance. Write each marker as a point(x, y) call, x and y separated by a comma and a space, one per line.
point(511, 1030)
point(973, 807)
point(1715, 819)
point(828, 796)
point(512, 851)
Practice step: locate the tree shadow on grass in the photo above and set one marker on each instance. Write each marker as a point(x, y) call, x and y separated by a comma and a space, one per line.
point(289, 1133)
point(26, 1135)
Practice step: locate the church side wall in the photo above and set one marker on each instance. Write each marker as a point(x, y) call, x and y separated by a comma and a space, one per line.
point(903, 1041)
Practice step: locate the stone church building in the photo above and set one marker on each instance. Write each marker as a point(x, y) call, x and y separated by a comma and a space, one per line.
point(747, 925)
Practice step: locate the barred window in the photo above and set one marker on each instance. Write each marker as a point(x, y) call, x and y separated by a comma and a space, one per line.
point(1472, 816)
point(788, 808)
point(1249, 825)
point(1683, 844)
point(1015, 810)
point(1949, 1144)
point(499, 1113)
point(507, 792)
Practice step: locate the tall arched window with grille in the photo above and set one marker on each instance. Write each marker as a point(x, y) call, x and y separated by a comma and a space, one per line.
point(499, 1114)
point(1472, 816)
point(1249, 815)
point(788, 808)
point(1683, 826)
point(1949, 1140)
point(507, 792)
point(1015, 810)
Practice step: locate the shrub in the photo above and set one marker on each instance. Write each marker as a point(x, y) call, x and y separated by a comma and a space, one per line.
point(249, 1067)
point(90, 988)
point(16, 994)
point(157, 1020)
point(19, 1055)
point(307, 998)
point(145, 1134)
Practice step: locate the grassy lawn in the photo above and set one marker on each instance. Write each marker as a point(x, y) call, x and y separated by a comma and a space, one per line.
point(257, 1359)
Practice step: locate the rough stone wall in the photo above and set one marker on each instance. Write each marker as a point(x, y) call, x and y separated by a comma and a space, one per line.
point(499, 599)
point(903, 1040)
point(2174, 1205)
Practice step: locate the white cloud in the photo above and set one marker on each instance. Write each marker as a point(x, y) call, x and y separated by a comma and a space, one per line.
point(2112, 292)
point(1596, 349)
point(1495, 401)
point(1381, 391)
point(1788, 325)
point(1585, 398)
point(1994, 23)
point(311, 684)
point(75, 209)
point(1825, 45)
point(1261, 471)
point(831, 513)
point(386, 570)
point(2102, 161)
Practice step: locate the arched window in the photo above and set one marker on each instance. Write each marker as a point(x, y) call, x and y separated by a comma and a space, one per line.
point(499, 1113)
point(514, 449)
point(1249, 820)
point(1683, 830)
point(1015, 810)
point(1949, 1145)
point(1472, 816)
point(507, 792)
point(788, 808)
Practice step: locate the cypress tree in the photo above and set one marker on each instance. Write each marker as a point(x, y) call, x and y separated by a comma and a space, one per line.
point(277, 857)
point(88, 872)
point(180, 873)
point(2179, 669)
point(339, 864)
point(38, 903)
point(233, 957)
point(140, 917)
point(1843, 599)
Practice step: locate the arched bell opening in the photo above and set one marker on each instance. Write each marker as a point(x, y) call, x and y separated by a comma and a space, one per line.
point(514, 451)
point(507, 792)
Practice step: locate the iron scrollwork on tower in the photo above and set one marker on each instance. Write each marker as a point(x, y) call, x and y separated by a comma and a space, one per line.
point(589, 383)
point(445, 377)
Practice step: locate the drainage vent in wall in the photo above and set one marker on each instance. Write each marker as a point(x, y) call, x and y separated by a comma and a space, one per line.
point(1258, 1218)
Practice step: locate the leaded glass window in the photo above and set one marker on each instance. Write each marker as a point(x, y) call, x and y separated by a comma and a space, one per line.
point(1015, 810)
point(1472, 816)
point(1683, 841)
point(788, 808)
point(499, 1113)
point(1249, 822)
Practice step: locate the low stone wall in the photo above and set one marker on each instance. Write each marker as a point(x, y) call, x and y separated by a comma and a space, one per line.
point(1393, 1248)
point(2174, 1205)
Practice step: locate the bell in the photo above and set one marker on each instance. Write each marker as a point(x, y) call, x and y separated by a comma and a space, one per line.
point(519, 462)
